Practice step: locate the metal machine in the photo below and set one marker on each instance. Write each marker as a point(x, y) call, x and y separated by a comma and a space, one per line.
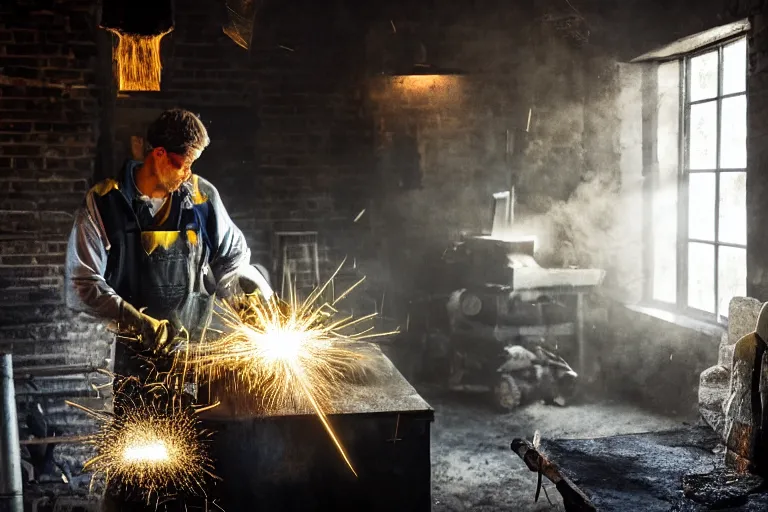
point(502, 322)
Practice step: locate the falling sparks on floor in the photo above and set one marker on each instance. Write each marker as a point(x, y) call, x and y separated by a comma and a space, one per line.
point(287, 354)
point(154, 449)
point(137, 59)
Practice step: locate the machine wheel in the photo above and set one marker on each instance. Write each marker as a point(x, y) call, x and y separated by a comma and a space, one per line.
point(507, 393)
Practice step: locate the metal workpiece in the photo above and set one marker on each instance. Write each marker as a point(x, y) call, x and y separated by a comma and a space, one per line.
point(10, 454)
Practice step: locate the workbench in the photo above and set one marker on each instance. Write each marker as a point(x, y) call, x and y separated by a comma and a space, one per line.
point(286, 461)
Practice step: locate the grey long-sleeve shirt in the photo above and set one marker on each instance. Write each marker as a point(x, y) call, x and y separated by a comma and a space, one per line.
point(88, 249)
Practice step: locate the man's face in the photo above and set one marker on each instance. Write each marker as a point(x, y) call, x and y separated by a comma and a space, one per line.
point(173, 169)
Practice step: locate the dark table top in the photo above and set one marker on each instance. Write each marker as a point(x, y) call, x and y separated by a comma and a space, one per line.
point(386, 392)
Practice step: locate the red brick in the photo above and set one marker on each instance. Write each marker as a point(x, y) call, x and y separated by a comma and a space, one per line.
point(15, 127)
point(25, 36)
point(19, 150)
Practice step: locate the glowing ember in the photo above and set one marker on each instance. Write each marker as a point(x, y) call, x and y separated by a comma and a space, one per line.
point(138, 61)
point(149, 448)
point(288, 354)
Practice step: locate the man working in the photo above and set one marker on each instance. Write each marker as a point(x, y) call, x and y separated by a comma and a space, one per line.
point(149, 249)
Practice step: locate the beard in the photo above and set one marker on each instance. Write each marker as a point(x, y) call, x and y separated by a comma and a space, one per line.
point(173, 184)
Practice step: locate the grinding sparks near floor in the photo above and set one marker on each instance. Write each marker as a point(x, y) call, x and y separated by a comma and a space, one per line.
point(285, 353)
point(137, 59)
point(149, 448)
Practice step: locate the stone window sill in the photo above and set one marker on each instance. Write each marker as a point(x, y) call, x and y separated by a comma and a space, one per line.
point(677, 319)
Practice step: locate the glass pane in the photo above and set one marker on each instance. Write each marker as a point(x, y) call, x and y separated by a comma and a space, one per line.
point(701, 276)
point(731, 276)
point(702, 136)
point(733, 133)
point(735, 67)
point(704, 76)
point(732, 227)
point(701, 206)
point(665, 238)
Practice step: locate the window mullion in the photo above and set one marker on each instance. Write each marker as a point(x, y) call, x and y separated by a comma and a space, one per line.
point(718, 135)
point(682, 188)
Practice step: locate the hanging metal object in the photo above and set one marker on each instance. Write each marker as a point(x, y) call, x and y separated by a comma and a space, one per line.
point(242, 16)
point(140, 26)
point(138, 17)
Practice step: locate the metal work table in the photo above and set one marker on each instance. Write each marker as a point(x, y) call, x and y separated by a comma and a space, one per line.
point(286, 460)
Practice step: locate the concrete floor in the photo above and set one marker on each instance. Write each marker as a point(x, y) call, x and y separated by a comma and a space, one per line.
point(473, 467)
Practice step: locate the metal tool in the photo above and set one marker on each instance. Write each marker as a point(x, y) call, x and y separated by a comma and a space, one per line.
point(574, 498)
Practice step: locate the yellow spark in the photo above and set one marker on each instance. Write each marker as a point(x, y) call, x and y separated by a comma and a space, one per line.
point(151, 448)
point(137, 59)
point(146, 451)
point(287, 354)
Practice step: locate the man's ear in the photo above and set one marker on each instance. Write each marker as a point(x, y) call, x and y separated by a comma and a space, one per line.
point(158, 152)
point(137, 147)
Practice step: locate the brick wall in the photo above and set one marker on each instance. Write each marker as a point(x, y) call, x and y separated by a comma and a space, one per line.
point(444, 144)
point(289, 151)
point(49, 120)
point(757, 156)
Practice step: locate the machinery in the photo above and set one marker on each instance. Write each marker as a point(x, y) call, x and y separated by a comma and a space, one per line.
point(503, 323)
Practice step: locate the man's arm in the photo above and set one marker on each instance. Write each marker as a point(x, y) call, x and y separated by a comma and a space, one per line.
point(86, 290)
point(232, 258)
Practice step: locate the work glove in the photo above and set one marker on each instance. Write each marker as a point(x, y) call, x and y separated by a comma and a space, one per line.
point(247, 279)
point(252, 280)
point(154, 334)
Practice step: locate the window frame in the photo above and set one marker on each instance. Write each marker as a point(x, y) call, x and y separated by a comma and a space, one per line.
point(682, 235)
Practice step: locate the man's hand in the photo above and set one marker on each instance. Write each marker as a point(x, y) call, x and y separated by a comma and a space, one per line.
point(247, 279)
point(252, 280)
point(154, 334)
point(158, 335)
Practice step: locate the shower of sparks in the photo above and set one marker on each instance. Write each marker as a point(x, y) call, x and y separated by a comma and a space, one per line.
point(138, 62)
point(154, 449)
point(287, 353)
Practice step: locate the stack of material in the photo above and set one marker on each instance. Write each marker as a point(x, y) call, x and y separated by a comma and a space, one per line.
point(715, 381)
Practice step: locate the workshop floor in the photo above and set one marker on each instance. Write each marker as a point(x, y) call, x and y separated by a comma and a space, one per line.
point(473, 467)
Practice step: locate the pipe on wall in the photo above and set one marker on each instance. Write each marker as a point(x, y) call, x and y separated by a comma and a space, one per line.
point(10, 453)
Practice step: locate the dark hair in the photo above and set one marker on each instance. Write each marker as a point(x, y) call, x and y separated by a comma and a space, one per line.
point(178, 131)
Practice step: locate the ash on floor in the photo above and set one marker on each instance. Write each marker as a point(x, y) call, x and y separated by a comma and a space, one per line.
point(473, 467)
point(680, 470)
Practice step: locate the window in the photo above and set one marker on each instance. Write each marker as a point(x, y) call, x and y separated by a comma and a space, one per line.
point(698, 259)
